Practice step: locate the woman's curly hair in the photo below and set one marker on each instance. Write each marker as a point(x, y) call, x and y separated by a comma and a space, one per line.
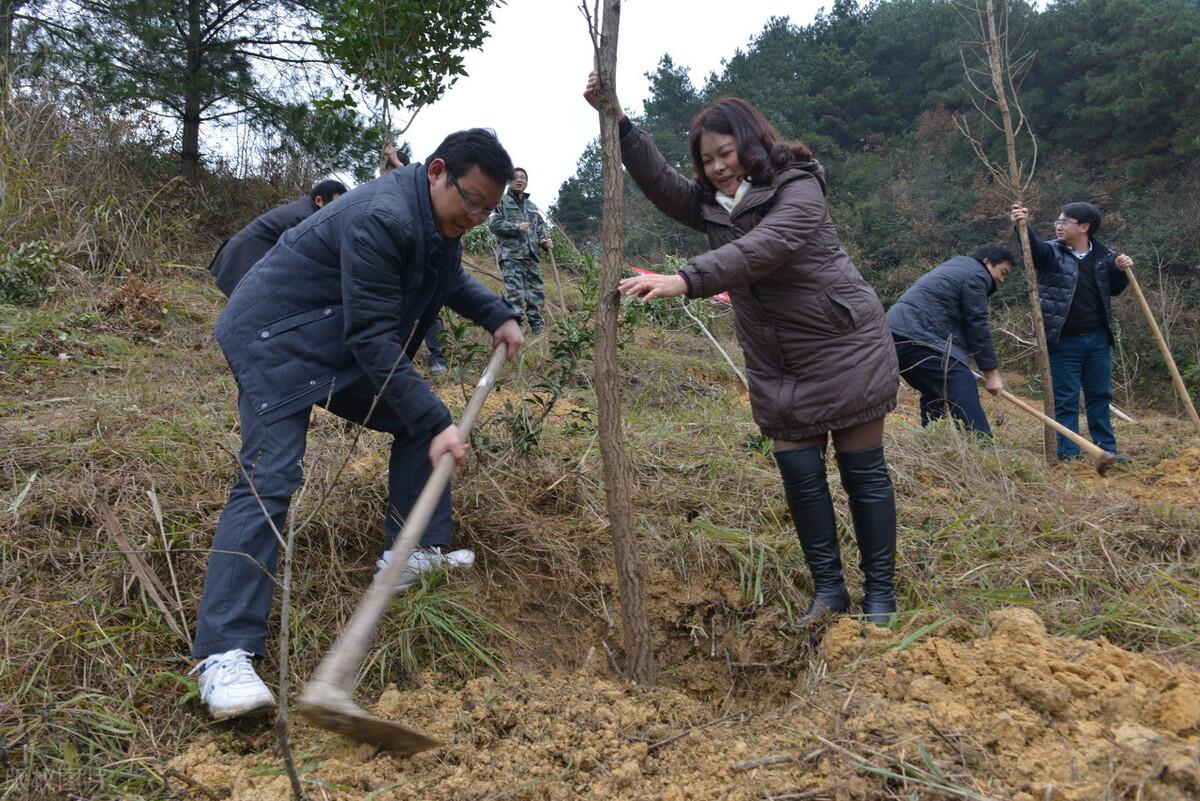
point(761, 150)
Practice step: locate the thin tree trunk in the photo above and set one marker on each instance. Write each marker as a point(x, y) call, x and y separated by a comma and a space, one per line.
point(7, 9)
point(639, 654)
point(189, 166)
point(996, 61)
point(285, 631)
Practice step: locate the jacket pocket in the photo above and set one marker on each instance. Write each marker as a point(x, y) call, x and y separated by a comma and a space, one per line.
point(839, 313)
point(295, 321)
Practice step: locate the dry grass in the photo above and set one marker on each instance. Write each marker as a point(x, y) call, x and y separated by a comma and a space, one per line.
point(93, 685)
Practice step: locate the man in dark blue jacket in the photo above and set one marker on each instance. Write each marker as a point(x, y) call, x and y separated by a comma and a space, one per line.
point(939, 324)
point(237, 254)
point(1077, 279)
point(332, 316)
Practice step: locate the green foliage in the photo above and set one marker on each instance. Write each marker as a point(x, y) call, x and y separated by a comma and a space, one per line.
point(435, 626)
point(571, 343)
point(669, 111)
point(580, 197)
point(1112, 90)
point(331, 136)
point(197, 61)
point(26, 270)
point(405, 52)
point(670, 314)
point(1119, 80)
point(479, 241)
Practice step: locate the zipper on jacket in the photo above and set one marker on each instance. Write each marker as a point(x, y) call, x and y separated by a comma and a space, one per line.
point(1070, 300)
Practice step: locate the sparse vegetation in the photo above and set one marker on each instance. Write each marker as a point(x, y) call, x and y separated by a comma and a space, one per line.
point(114, 396)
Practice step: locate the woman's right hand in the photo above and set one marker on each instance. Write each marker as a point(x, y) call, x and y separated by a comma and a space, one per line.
point(649, 286)
point(592, 92)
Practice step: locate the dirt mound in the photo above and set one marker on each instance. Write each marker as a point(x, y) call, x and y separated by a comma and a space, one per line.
point(1013, 714)
point(1045, 717)
point(1174, 479)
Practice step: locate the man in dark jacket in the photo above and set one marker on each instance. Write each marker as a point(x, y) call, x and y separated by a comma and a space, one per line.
point(1077, 279)
point(238, 254)
point(332, 316)
point(939, 324)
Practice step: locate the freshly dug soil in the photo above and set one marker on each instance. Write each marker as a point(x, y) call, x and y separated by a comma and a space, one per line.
point(1013, 713)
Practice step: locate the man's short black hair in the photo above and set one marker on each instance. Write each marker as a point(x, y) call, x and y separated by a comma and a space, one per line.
point(993, 253)
point(1082, 212)
point(520, 169)
point(476, 147)
point(327, 189)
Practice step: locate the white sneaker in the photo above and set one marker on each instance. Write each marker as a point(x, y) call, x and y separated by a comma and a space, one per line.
point(425, 560)
point(230, 687)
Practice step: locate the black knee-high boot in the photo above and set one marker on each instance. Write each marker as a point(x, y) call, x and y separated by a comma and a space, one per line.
point(873, 507)
point(804, 484)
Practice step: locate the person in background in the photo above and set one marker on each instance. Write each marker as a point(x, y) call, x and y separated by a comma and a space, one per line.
point(237, 255)
point(520, 231)
point(939, 324)
point(1077, 278)
point(819, 356)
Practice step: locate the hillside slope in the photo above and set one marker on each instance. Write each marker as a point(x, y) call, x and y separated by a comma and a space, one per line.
point(1047, 648)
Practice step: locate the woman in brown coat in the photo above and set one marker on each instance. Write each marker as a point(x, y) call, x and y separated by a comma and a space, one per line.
point(819, 355)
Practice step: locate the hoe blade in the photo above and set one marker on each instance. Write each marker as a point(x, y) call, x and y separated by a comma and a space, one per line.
point(356, 724)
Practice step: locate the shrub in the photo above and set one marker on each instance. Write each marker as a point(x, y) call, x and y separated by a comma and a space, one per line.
point(479, 241)
point(26, 271)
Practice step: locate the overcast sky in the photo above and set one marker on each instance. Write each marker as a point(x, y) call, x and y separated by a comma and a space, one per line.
point(527, 81)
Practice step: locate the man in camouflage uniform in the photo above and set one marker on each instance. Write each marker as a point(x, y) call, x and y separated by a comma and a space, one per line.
point(520, 231)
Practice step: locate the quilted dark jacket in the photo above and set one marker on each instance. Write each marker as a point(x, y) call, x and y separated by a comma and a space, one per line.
point(1058, 272)
point(348, 294)
point(947, 309)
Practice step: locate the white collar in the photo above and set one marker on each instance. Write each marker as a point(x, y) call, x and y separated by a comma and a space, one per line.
point(729, 202)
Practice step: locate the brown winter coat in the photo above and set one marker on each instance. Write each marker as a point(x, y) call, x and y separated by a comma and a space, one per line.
point(819, 355)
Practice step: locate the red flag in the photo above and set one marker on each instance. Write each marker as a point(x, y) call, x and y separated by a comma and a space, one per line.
point(721, 296)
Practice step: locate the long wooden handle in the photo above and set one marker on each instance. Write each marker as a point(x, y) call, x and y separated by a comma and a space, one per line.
point(562, 299)
point(1176, 378)
point(1090, 447)
point(340, 666)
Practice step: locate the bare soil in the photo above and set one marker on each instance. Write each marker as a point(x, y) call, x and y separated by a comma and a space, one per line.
point(1011, 713)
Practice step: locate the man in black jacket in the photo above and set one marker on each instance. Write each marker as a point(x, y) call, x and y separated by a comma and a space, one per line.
point(332, 316)
point(1077, 278)
point(939, 324)
point(238, 254)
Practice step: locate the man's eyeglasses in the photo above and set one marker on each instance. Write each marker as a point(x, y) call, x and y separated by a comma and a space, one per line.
point(472, 207)
point(1063, 222)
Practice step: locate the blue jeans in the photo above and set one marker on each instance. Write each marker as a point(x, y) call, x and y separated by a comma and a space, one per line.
point(435, 340)
point(944, 383)
point(239, 582)
point(1083, 361)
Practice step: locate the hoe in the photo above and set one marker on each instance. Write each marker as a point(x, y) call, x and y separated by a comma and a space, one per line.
point(328, 698)
point(1104, 459)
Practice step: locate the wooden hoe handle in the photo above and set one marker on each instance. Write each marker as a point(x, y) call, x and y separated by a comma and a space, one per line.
point(327, 699)
point(1176, 378)
point(1103, 457)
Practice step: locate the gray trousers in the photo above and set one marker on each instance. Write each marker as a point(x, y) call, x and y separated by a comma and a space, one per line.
point(236, 600)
